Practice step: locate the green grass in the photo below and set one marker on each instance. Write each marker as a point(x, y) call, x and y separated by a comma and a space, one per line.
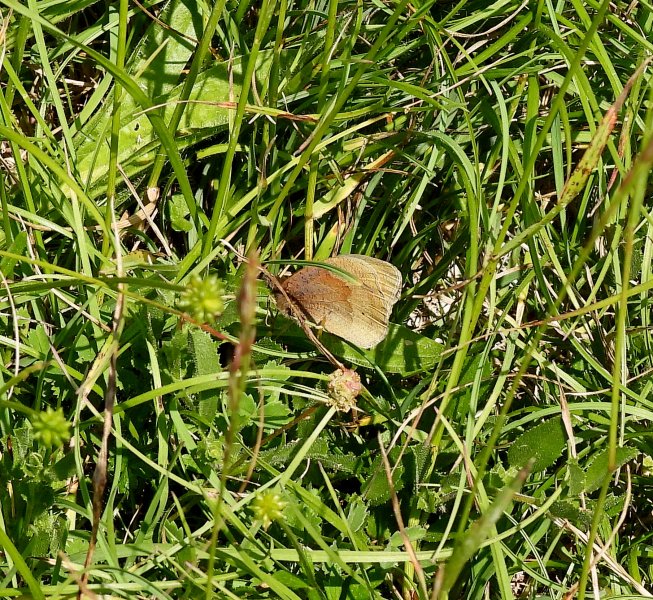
point(160, 442)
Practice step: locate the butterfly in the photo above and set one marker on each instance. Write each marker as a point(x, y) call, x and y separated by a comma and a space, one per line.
point(356, 308)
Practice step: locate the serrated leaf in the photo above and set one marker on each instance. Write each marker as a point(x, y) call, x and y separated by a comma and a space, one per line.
point(21, 440)
point(38, 340)
point(47, 535)
point(178, 211)
point(279, 455)
point(248, 410)
point(269, 344)
point(276, 413)
point(544, 443)
point(415, 534)
point(598, 469)
point(377, 490)
point(577, 480)
point(572, 512)
point(332, 459)
point(614, 505)
point(176, 352)
point(204, 351)
point(430, 500)
point(356, 514)
point(419, 464)
point(208, 406)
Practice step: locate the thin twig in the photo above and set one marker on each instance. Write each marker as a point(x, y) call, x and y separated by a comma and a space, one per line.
point(100, 473)
point(400, 521)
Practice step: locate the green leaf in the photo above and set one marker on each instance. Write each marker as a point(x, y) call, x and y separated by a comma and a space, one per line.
point(205, 352)
point(356, 514)
point(419, 460)
point(357, 591)
point(138, 142)
point(403, 351)
point(47, 535)
point(276, 413)
point(17, 247)
point(21, 439)
point(415, 534)
point(290, 580)
point(156, 63)
point(598, 469)
point(178, 211)
point(571, 511)
point(577, 480)
point(378, 490)
point(38, 340)
point(64, 467)
point(248, 410)
point(332, 589)
point(84, 349)
point(469, 543)
point(176, 352)
point(208, 407)
point(544, 443)
point(332, 459)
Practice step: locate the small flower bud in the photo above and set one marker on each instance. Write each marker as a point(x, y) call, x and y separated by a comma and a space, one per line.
point(343, 389)
point(51, 428)
point(203, 298)
point(268, 507)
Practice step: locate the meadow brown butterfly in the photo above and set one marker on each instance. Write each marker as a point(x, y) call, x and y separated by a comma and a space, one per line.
point(356, 310)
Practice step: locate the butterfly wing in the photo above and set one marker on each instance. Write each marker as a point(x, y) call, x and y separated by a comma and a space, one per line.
point(380, 277)
point(356, 309)
point(373, 294)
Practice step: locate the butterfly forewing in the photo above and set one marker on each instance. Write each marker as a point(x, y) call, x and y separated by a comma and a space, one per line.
point(380, 277)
